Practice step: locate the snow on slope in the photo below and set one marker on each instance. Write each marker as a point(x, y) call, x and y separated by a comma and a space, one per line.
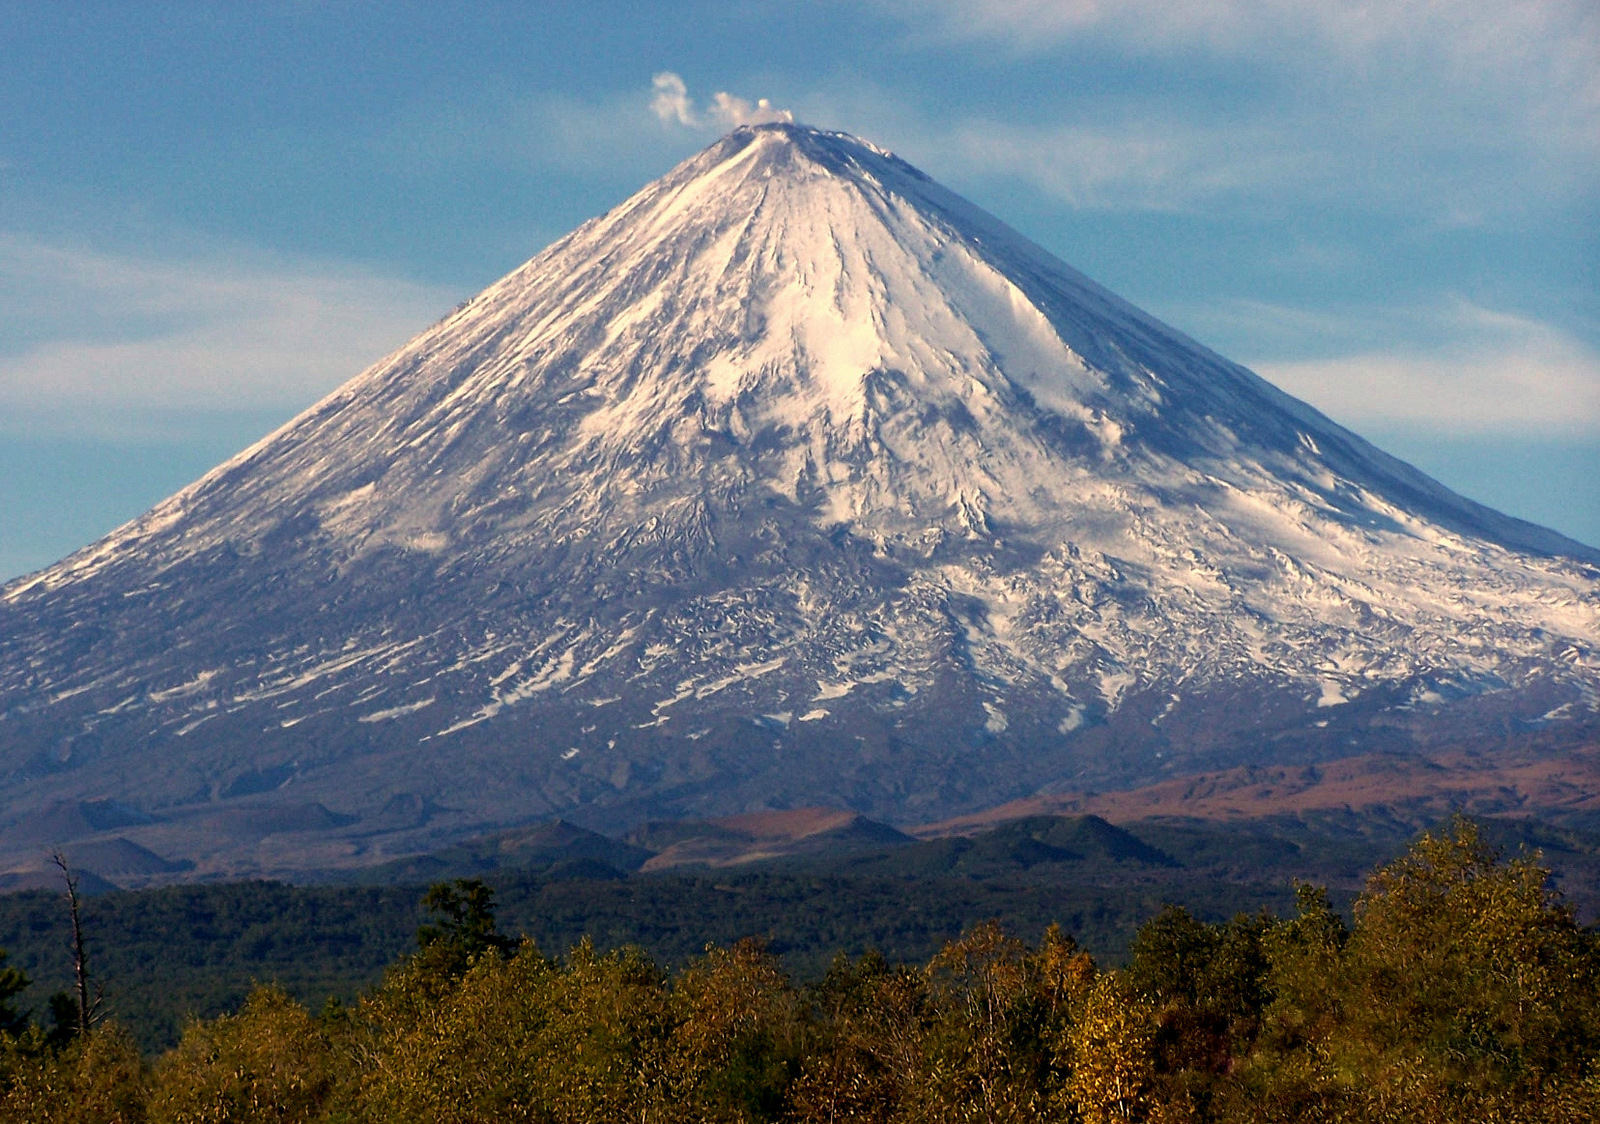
point(794, 431)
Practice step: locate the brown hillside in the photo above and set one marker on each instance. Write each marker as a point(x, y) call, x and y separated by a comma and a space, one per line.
point(1436, 784)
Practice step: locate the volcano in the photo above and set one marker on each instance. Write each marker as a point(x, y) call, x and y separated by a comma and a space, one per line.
point(796, 479)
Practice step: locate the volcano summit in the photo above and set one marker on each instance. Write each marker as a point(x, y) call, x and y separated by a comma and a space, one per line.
point(795, 479)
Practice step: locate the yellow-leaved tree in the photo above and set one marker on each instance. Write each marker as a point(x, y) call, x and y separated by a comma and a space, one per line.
point(270, 1062)
point(1112, 1049)
point(95, 1079)
point(985, 1052)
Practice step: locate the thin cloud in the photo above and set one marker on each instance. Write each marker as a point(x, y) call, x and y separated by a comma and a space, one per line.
point(1125, 165)
point(149, 337)
point(1101, 158)
point(611, 136)
point(1464, 34)
point(1500, 374)
point(1465, 108)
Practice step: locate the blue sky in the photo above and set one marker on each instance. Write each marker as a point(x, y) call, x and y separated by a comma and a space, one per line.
point(212, 214)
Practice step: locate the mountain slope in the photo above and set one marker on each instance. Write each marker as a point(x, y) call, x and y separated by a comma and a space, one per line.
point(793, 479)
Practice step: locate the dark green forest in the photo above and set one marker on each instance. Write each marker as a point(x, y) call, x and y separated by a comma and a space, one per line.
point(167, 955)
point(1459, 986)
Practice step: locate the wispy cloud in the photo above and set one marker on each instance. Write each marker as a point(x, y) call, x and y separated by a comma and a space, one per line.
point(1112, 158)
point(1466, 370)
point(1466, 108)
point(619, 138)
point(100, 343)
point(610, 135)
point(1478, 41)
point(1135, 164)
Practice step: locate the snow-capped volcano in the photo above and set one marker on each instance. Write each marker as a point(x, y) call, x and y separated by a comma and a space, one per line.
point(793, 479)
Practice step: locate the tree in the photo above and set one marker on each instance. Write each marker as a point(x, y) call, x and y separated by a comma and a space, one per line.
point(987, 1048)
point(866, 1047)
point(94, 1079)
point(88, 1009)
point(1207, 985)
point(1471, 965)
point(737, 1039)
point(1290, 1075)
point(1171, 957)
point(463, 926)
point(13, 981)
point(1465, 990)
point(1112, 1051)
point(269, 1062)
point(1305, 962)
point(523, 1039)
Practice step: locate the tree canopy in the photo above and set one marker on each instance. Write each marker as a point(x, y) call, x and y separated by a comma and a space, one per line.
point(1461, 988)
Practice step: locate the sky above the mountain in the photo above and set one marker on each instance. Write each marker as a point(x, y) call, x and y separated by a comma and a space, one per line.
point(212, 214)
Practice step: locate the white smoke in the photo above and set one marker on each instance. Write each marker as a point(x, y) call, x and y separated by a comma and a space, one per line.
point(673, 105)
point(671, 102)
point(731, 111)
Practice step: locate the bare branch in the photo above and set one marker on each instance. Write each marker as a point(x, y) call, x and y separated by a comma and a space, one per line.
point(88, 1011)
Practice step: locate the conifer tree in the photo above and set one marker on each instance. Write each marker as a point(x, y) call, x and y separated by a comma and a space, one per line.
point(462, 928)
point(13, 981)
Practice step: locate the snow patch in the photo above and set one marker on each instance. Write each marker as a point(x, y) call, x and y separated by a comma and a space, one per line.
point(396, 711)
point(996, 723)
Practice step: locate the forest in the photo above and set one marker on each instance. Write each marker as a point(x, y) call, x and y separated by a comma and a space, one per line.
point(167, 954)
point(1461, 987)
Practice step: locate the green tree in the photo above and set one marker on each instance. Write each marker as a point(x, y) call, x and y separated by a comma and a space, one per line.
point(737, 1037)
point(463, 924)
point(1218, 971)
point(1207, 987)
point(1470, 967)
point(987, 1049)
point(867, 1043)
point(13, 981)
point(520, 1039)
point(1465, 990)
point(1291, 1076)
point(269, 1064)
point(1305, 957)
